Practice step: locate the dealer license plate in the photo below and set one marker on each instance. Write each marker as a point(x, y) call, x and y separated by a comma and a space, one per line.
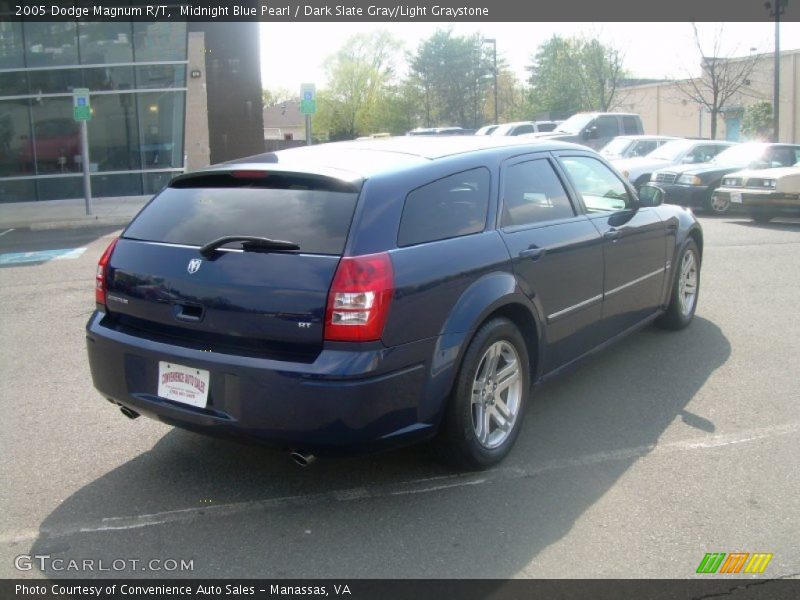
point(186, 385)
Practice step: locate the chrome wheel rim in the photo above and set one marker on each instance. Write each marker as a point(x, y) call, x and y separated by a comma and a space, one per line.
point(687, 285)
point(496, 394)
point(719, 204)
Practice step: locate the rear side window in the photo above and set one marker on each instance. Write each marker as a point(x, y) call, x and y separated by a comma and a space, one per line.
point(523, 129)
point(312, 212)
point(532, 193)
point(631, 124)
point(446, 208)
point(606, 126)
point(644, 147)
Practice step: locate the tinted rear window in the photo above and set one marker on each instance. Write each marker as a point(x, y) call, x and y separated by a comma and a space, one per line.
point(312, 213)
point(631, 124)
point(447, 208)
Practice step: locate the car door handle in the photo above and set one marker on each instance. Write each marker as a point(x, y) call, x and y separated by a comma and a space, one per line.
point(611, 234)
point(532, 253)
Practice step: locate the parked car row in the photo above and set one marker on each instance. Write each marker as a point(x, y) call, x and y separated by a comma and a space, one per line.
point(689, 171)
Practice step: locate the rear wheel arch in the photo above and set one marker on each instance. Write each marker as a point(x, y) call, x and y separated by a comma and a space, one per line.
point(525, 322)
point(510, 306)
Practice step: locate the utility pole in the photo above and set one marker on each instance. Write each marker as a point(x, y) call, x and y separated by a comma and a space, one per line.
point(493, 42)
point(776, 9)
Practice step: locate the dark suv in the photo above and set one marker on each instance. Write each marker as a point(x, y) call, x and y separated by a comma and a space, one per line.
point(369, 294)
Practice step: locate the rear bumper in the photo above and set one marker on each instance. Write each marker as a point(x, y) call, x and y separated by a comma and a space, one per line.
point(345, 399)
point(684, 195)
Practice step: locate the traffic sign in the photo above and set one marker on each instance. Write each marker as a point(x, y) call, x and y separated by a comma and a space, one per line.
point(308, 107)
point(81, 107)
point(308, 91)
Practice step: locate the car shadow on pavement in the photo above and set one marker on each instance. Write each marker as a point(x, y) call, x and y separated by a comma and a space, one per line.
point(776, 223)
point(401, 513)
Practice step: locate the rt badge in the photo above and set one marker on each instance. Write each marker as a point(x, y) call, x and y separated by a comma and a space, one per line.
point(194, 265)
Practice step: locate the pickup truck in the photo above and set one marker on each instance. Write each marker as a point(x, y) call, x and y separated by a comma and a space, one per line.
point(594, 129)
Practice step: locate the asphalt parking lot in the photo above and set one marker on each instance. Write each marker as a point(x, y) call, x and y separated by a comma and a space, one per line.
point(663, 448)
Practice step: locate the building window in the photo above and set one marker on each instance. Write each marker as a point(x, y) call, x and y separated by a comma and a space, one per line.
point(102, 43)
point(51, 44)
point(161, 129)
point(12, 52)
point(159, 41)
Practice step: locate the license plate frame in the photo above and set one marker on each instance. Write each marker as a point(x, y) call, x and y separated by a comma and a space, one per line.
point(183, 384)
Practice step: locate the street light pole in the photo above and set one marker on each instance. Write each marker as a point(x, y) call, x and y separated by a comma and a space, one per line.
point(493, 42)
point(776, 9)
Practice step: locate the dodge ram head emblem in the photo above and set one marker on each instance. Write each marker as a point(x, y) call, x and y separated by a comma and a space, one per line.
point(194, 265)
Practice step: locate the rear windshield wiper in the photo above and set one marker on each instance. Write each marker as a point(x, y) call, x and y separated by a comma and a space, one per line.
point(249, 242)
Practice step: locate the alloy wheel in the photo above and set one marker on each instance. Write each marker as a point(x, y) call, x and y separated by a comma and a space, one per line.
point(496, 394)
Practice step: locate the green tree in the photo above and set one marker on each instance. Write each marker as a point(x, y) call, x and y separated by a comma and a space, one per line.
point(555, 89)
point(573, 74)
point(757, 121)
point(358, 76)
point(452, 75)
point(513, 99)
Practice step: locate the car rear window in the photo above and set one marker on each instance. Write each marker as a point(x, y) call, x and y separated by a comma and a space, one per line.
point(314, 213)
point(631, 124)
point(446, 208)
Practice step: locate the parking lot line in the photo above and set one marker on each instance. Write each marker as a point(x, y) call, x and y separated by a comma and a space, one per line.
point(5, 232)
point(417, 486)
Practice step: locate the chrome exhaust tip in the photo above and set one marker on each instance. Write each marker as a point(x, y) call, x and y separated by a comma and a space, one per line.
point(302, 458)
point(131, 414)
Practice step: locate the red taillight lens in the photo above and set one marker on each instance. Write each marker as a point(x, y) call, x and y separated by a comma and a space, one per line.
point(100, 277)
point(359, 300)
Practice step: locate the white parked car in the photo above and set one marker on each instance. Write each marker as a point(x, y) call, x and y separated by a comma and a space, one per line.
point(764, 193)
point(524, 127)
point(631, 146)
point(676, 152)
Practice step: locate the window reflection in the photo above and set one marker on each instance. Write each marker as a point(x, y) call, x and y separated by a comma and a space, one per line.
point(129, 130)
point(56, 144)
point(103, 43)
point(15, 141)
point(49, 44)
point(12, 52)
point(161, 129)
point(113, 135)
point(161, 76)
point(159, 41)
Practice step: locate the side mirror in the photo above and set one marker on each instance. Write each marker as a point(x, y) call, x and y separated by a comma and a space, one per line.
point(650, 195)
point(590, 132)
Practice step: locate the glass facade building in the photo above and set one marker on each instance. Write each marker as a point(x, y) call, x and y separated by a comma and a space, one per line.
point(136, 73)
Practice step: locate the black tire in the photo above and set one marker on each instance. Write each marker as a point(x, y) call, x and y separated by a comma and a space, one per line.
point(761, 217)
point(709, 206)
point(676, 317)
point(458, 441)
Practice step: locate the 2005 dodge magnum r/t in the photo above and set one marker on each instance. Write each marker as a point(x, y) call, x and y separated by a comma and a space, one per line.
point(368, 294)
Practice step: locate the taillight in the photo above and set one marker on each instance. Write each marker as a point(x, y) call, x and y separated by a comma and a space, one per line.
point(359, 300)
point(100, 277)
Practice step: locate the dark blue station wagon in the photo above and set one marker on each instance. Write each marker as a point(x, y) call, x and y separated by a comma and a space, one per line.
point(369, 294)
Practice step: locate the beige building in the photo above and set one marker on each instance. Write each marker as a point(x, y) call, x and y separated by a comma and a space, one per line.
point(666, 110)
